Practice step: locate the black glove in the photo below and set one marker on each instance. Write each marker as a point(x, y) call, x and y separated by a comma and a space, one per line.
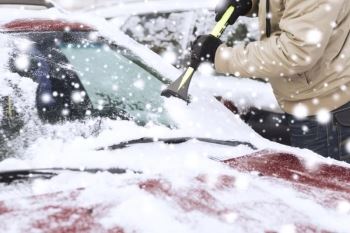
point(242, 7)
point(204, 49)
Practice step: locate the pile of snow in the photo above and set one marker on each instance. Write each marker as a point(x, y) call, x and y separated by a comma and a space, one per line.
point(243, 92)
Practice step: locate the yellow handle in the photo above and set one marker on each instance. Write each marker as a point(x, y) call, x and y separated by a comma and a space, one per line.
point(185, 78)
point(221, 25)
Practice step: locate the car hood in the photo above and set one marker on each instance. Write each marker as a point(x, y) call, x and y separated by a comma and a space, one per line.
point(262, 192)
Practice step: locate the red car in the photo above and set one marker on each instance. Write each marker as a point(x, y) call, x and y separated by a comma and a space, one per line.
point(158, 182)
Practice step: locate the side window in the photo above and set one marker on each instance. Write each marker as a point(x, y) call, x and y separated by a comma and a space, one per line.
point(56, 83)
point(57, 90)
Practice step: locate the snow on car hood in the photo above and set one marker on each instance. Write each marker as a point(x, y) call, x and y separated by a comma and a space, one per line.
point(74, 144)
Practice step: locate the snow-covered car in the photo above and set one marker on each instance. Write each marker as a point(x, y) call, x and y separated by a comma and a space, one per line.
point(160, 165)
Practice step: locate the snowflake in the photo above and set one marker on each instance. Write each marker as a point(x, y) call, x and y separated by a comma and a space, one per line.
point(65, 112)
point(139, 84)
point(169, 56)
point(343, 207)
point(148, 106)
point(78, 97)
point(46, 98)
point(347, 146)
point(300, 111)
point(230, 217)
point(290, 228)
point(242, 183)
point(323, 116)
point(314, 36)
point(22, 62)
point(206, 69)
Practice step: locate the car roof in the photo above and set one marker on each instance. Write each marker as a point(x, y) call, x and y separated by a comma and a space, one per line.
point(44, 25)
point(51, 18)
point(44, 3)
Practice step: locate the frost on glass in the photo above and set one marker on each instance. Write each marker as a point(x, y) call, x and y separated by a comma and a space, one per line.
point(113, 80)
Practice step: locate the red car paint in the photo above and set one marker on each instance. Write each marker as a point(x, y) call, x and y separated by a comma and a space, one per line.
point(286, 166)
point(42, 25)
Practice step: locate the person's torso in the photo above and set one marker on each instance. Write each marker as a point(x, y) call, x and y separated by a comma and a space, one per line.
point(329, 77)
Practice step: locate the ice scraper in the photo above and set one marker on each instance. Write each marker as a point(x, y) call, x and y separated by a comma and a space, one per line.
point(179, 88)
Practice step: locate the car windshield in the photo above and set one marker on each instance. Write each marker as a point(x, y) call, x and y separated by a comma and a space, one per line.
point(116, 82)
point(113, 78)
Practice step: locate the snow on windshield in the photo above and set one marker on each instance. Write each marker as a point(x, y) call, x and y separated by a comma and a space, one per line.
point(192, 120)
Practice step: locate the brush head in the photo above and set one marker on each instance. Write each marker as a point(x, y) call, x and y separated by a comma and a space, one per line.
point(179, 88)
point(170, 93)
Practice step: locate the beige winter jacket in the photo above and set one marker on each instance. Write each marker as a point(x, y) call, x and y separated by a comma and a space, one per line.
point(306, 58)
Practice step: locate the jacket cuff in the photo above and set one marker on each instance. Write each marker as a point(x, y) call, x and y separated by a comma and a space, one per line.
point(222, 59)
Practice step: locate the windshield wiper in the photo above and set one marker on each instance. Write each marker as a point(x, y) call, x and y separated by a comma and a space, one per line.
point(9, 177)
point(145, 140)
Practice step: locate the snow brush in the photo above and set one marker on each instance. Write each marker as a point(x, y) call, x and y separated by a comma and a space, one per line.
point(179, 88)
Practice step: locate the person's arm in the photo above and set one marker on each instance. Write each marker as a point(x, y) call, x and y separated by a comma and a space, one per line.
point(306, 29)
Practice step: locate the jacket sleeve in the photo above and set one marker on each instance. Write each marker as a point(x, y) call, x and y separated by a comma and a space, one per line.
point(306, 28)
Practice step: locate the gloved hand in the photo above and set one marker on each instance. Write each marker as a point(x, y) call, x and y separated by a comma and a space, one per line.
point(204, 49)
point(242, 7)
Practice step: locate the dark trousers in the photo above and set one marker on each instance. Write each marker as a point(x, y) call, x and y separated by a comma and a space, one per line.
point(329, 140)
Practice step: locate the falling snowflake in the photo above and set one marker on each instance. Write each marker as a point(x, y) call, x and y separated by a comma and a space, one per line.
point(46, 98)
point(139, 84)
point(22, 62)
point(305, 129)
point(206, 69)
point(314, 36)
point(323, 116)
point(343, 207)
point(300, 111)
point(78, 97)
point(242, 183)
point(169, 56)
point(65, 112)
point(347, 146)
point(230, 217)
point(290, 228)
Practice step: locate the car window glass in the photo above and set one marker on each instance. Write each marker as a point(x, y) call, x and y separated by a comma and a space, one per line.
point(111, 79)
